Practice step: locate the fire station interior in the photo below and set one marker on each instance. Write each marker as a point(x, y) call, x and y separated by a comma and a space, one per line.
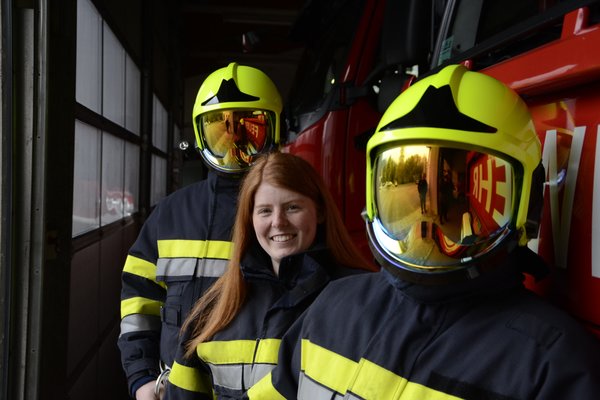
point(96, 109)
point(119, 79)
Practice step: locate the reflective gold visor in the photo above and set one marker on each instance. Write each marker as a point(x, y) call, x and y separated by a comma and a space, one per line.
point(438, 206)
point(245, 131)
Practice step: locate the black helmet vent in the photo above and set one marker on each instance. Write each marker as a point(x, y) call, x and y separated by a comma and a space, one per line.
point(228, 93)
point(437, 109)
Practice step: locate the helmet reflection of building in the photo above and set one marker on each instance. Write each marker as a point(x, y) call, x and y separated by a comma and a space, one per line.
point(236, 117)
point(451, 125)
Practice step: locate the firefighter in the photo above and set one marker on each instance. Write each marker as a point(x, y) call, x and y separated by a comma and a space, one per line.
point(184, 245)
point(289, 242)
point(448, 316)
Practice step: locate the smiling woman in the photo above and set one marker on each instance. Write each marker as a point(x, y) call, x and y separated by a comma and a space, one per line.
point(289, 243)
point(285, 222)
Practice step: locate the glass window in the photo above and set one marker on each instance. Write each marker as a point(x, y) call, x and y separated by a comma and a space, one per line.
point(132, 96)
point(89, 56)
point(113, 157)
point(132, 179)
point(159, 179)
point(489, 31)
point(107, 164)
point(324, 60)
point(86, 179)
point(159, 125)
point(113, 78)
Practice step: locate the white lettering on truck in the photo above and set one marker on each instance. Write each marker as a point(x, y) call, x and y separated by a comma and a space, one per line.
point(561, 221)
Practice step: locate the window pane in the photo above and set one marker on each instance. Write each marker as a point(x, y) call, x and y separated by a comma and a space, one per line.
point(86, 179)
point(324, 61)
point(112, 178)
point(113, 79)
point(159, 125)
point(89, 54)
point(159, 179)
point(132, 178)
point(132, 96)
point(476, 21)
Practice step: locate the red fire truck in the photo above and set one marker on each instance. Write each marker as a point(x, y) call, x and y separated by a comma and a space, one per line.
point(346, 80)
point(361, 53)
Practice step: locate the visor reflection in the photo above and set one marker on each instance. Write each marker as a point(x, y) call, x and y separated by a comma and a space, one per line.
point(244, 132)
point(437, 204)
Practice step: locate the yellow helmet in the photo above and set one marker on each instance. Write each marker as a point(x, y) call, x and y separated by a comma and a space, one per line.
point(236, 117)
point(454, 174)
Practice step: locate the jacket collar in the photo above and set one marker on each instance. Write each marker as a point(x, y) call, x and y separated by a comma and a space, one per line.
point(221, 181)
point(508, 276)
point(300, 275)
point(256, 264)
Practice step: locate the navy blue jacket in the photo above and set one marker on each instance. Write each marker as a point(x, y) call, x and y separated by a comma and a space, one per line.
point(375, 336)
point(183, 247)
point(246, 350)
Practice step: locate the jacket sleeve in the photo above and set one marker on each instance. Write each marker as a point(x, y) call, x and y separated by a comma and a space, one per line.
point(282, 382)
point(189, 378)
point(141, 299)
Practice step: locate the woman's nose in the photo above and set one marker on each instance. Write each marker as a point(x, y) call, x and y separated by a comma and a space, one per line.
point(279, 219)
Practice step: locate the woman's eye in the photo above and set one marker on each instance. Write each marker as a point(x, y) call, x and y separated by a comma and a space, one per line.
point(293, 207)
point(263, 211)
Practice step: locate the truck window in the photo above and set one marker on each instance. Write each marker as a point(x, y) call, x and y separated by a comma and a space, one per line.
point(489, 31)
point(327, 29)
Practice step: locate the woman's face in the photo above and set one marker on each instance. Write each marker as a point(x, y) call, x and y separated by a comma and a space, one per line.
point(285, 222)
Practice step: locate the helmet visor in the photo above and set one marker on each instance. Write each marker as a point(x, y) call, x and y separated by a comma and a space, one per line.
point(437, 207)
point(233, 137)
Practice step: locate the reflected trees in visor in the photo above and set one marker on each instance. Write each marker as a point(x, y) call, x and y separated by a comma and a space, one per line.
point(439, 204)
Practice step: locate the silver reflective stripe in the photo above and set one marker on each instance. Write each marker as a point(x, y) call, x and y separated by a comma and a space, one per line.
point(311, 390)
point(213, 268)
point(189, 267)
point(175, 267)
point(259, 371)
point(230, 375)
point(139, 322)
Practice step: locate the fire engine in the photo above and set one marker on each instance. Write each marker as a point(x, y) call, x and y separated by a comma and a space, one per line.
point(362, 53)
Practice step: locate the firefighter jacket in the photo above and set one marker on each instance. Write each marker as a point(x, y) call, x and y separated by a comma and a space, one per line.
point(246, 350)
point(183, 247)
point(375, 336)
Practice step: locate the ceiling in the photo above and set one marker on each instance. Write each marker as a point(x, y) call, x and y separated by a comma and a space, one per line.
point(212, 34)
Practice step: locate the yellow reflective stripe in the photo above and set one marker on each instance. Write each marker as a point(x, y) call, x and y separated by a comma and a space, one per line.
point(375, 382)
point(364, 386)
point(195, 249)
point(140, 305)
point(264, 390)
point(143, 268)
point(268, 350)
point(231, 352)
point(365, 379)
point(239, 351)
point(339, 371)
point(190, 379)
point(417, 391)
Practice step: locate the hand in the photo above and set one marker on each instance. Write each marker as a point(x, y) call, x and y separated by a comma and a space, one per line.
point(146, 391)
